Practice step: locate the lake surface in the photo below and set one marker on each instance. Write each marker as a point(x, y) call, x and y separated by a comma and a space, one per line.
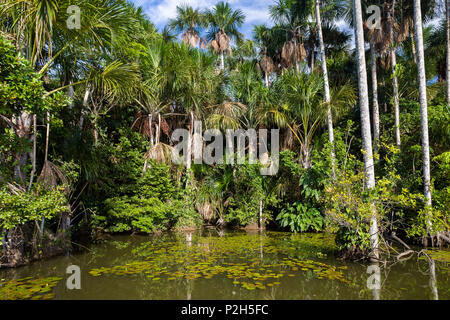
point(211, 264)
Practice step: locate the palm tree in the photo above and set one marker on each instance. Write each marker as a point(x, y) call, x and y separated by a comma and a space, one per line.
point(223, 24)
point(369, 170)
point(447, 16)
point(302, 97)
point(189, 21)
point(291, 17)
point(423, 108)
point(261, 34)
point(326, 88)
point(391, 21)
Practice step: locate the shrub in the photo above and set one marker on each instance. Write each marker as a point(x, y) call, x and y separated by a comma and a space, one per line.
point(301, 218)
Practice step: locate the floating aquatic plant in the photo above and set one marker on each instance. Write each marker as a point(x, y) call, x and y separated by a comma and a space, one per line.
point(247, 260)
point(28, 288)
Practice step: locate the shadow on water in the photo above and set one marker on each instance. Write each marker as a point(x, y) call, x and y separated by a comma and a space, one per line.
point(212, 264)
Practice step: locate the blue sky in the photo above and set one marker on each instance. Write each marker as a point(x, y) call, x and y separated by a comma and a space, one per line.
point(160, 11)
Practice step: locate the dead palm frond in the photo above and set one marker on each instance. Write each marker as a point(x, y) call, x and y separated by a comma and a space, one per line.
point(300, 53)
point(266, 64)
point(191, 38)
point(221, 43)
point(51, 176)
point(404, 30)
point(160, 152)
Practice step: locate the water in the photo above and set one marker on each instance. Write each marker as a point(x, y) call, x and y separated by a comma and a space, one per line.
point(224, 265)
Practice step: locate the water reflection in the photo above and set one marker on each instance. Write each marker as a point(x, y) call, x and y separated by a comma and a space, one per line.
point(210, 264)
point(433, 281)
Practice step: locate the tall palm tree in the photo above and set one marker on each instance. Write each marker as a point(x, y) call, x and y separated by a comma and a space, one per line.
point(291, 17)
point(369, 170)
point(391, 21)
point(447, 16)
point(423, 108)
point(188, 21)
point(223, 23)
point(261, 33)
point(303, 99)
point(326, 88)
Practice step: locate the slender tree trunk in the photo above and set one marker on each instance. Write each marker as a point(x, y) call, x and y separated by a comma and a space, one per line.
point(47, 136)
point(423, 107)
point(413, 46)
point(396, 99)
point(297, 67)
point(260, 214)
point(395, 84)
point(85, 104)
point(433, 280)
point(369, 171)
point(306, 157)
point(95, 120)
point(327, 89)
point(33, 157)
point(150, 121)
point(222, 61)
point(375, 110)
point(267, 80)
point(189, 146)
point(447, 11)
point(158, 129)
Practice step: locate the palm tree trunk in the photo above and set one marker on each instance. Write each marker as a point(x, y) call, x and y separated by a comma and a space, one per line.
point(423, 107)
point(447, 11)
point(260, 214)
point(150, 121)
point(47, 136)
point(222, 61)
point(396, 98)
point(85, 104)
point(369, 171)
point(326, 88)
point(33, 159)
point(189, 146)
point(375, 110)
point(395, 84)
point(297, 67)
point(306, 157)
point(413, 47)
point(433, 280)
point(158, 129)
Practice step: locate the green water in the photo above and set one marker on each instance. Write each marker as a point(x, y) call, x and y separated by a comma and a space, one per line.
point(209, 264)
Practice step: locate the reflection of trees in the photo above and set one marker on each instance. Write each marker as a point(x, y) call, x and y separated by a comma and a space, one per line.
point(433, 280)
point(400, 279)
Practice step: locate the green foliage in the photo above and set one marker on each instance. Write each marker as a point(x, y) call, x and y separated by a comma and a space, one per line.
point(157, 182)
point(247, 193)
point(21, 89)
point(126, 214)
point(154, 202)
point(350, 205)
point(351, 239)
point(300, 218)
point(19, 209)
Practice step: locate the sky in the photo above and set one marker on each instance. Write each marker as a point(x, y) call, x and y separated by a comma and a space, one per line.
point(256, 12)
point(160, 11)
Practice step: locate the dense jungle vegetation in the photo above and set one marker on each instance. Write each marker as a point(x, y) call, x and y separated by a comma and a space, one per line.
point(87, 114)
